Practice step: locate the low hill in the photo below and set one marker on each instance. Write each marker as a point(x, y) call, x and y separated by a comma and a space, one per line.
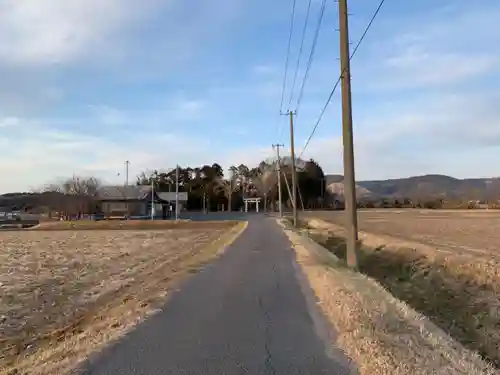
point(422, 187)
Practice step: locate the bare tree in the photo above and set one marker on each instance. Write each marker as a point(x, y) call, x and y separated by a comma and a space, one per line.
point(75, 195)
point(227, 187)
point(81, 186)
point(264, 180)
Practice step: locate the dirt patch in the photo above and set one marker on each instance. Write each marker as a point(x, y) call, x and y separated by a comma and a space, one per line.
point(460, 295)
point(381, 334)
point(65, 294)
point(130, 225)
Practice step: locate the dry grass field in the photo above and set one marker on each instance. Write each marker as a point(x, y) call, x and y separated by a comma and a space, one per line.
point(445, 264)
point(64, 294)
point(454, 231)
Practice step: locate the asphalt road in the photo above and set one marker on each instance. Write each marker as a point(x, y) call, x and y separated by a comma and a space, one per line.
point(250, 312)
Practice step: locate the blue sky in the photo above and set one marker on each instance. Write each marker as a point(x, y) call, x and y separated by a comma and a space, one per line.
point(88, 84)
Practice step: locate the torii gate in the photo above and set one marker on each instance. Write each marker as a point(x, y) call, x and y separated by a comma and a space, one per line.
point(252, 200)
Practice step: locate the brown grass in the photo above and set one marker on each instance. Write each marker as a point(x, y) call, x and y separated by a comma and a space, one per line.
point(381, 334)
point(65, 294)
point(459, 292)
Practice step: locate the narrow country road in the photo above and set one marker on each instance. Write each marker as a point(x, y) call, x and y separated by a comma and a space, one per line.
point(247, 313)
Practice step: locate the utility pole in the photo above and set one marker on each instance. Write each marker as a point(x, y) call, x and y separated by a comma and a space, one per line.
point(177, 192)
point(278, 170)
point(294, 172)
point(153, 208)
point(347, 137)
point(127, 163)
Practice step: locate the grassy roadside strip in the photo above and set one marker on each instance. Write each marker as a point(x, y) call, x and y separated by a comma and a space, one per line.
point(122, 314)
point(221, 244)
point(460, 293)
point(381, 334)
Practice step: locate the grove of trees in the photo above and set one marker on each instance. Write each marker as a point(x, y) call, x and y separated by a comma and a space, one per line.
point(210, 188)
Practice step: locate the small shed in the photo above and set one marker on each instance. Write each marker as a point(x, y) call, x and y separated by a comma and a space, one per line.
point(172, 197)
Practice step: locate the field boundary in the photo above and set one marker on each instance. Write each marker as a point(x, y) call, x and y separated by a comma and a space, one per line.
point(225, 240)
point(321, 253)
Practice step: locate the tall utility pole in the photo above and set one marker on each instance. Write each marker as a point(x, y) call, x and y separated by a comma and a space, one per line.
point(347, 137)
point(177, 192)
point(278, 171)
point(127, 163)
point(294, 171)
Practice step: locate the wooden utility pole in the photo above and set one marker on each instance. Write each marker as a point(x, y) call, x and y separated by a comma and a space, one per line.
point(278, 171)
point(294, 172)
point(347, 137)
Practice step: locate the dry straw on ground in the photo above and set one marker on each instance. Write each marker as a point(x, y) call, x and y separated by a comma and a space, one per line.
point(460, 292)
point(65, 294)
point(381, 334)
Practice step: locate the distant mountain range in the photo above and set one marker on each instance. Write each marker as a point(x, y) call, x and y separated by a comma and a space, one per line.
point(421, 187)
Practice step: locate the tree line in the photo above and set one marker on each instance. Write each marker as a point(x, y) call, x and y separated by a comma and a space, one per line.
point(208, 187)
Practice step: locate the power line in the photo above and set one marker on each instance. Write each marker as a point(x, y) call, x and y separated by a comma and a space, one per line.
point(311, 55)
point(340, 77)
point(304, 30)
point(288, 55)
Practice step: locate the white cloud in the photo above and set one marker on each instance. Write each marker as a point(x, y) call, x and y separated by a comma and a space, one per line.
point(9, 121)
point(45, 46)
point(455, 134)
point(417, 68)
point(176, 110)
point(430, 50)
point(57, 31)
point(143, 40)
point(36, 154)
point(39, 155)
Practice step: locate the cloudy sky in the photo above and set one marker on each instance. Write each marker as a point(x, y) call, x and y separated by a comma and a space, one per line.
point(88, 84)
